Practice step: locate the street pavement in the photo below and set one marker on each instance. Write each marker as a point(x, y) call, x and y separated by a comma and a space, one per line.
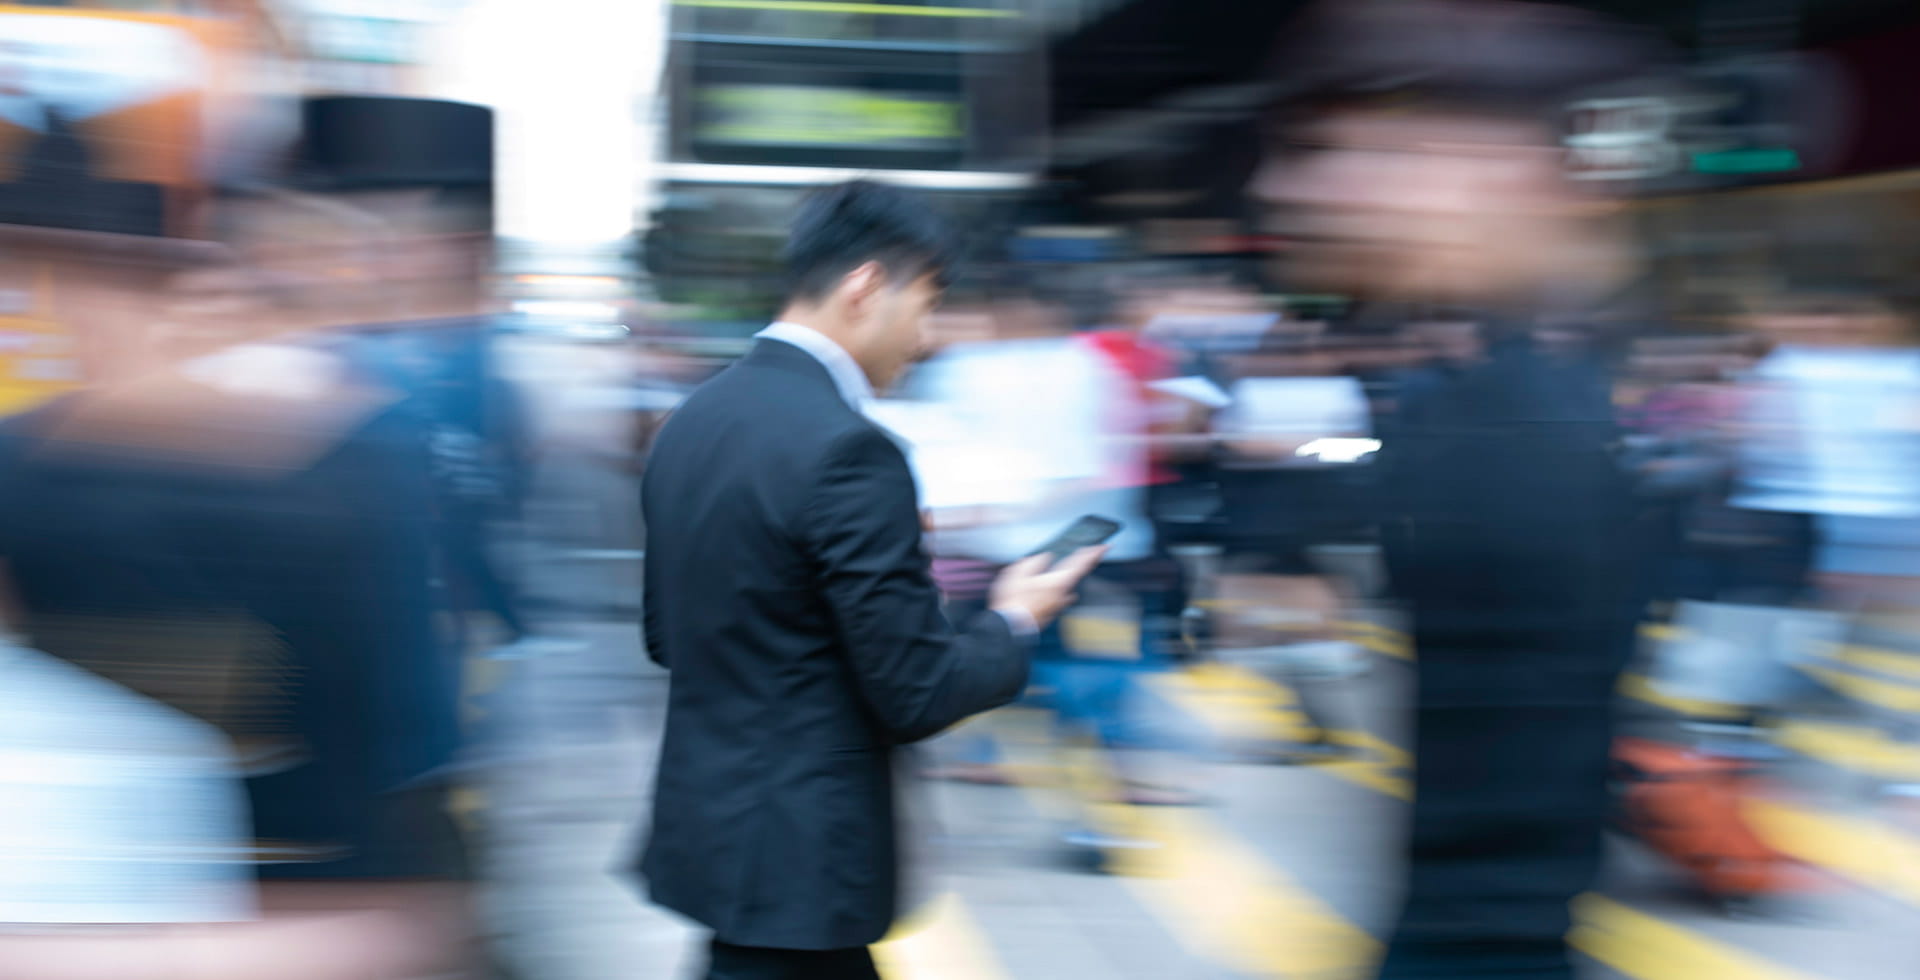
point(1286, 872)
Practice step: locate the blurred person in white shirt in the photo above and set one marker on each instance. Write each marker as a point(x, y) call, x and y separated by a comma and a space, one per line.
point(1016, 437)
point(1833, 430)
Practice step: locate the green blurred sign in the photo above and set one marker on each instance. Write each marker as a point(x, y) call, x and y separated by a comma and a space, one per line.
point(1771, 160)
point(801, 115)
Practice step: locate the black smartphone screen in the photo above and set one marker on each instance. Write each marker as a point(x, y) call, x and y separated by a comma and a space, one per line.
point(1083, 533)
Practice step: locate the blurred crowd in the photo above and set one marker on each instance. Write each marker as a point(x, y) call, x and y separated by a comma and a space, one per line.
point(1434, 409)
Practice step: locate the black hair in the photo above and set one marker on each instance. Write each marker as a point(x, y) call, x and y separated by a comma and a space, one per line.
point(839, 227)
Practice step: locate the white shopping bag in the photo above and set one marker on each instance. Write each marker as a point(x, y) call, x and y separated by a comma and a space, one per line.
point(117, 809)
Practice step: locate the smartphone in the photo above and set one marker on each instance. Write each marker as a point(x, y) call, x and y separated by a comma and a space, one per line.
point(1083, 533)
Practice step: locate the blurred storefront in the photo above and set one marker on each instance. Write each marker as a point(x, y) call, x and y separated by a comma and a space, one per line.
point(766, 98)
point(115, 127)
point(1810, 175)
point(1776, 142)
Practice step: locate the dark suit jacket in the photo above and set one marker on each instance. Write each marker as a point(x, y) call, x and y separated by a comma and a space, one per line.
point(788, 593)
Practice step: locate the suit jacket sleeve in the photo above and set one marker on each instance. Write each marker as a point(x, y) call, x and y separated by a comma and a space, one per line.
point(915, 672)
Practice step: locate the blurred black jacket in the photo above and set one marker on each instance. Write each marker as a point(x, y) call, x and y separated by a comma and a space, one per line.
point(145, 517)
point(788, 593)
point(1512, 534)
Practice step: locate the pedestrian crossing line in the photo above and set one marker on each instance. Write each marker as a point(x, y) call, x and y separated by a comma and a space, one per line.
point(1373, 636)
point(1221, 899)
point(1639, 687)
point(1396, 643)
point(1226, 902)
point(1381, 639)
point(1384, 773)
point(1867, 690)
point(1863, 850)
point(1853, 748)
point(1229, 903)
point(1241, 705)
point(941, 942)
point(1235, 704)
point(1892, 662)
point(1632, 942)
point(1645, 948)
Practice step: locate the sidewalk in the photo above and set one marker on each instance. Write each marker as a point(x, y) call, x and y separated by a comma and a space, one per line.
point(564, 790)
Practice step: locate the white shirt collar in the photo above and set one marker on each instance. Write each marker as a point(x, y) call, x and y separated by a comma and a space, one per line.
point(840, 365)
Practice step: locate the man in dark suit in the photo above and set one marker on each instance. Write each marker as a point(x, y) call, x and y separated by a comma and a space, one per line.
point(788, 593)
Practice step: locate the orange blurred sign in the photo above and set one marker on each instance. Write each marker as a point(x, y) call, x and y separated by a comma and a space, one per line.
point(108, 123)
point(108, 98)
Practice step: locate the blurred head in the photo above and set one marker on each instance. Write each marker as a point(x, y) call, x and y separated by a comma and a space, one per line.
point(867, 264)
point(1427, 205)
point(1422, 160)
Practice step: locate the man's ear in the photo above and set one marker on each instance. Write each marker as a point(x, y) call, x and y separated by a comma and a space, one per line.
point(860, 285)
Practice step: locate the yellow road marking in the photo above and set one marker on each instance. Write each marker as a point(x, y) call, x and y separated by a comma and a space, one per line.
point(1384, 773)
point(1239, 703)
point(1235, 703)
point(1641, 689)
point(942, 942)
point(1867, 851)
point(1869, 690)
point(1379, 639)
point(826, 7)
point(1851, 747)
point(1632, 942)
point(1893, 662)
point(1646, 948)
point(1221, 899)
point(1226, 903)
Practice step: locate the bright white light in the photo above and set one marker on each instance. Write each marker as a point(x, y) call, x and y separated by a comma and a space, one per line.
point(1332, 450)
point(572, 84)
point(560, 309)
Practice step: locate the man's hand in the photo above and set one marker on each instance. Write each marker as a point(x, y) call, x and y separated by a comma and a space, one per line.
point(1039, 590)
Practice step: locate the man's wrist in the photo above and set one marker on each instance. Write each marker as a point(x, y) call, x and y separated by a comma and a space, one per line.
point(1019, 620)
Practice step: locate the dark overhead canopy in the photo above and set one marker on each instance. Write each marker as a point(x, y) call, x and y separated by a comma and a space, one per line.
point(1147, 50)
point(1146, 53)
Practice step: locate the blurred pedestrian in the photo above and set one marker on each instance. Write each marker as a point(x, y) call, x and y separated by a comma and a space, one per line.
point(1423, 166)
point(1061, 426)
point(244, 535)
point(788, 593)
